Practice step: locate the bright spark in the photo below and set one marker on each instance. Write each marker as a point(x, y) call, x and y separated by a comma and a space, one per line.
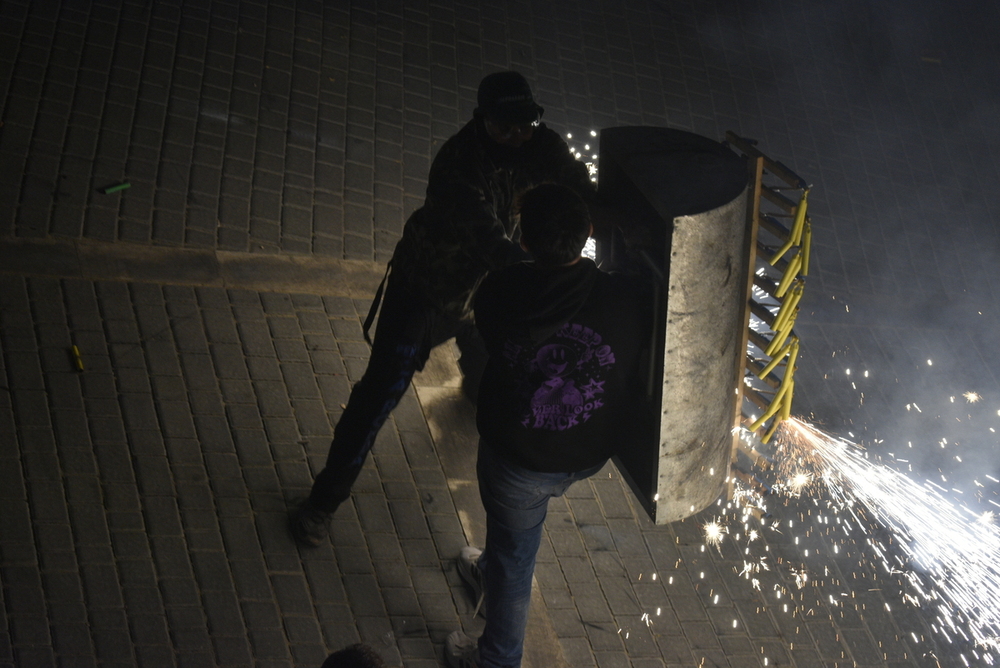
point(798, 481)
point(951, 555)
point(714, 533)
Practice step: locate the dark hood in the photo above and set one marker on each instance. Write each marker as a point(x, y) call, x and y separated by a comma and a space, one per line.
point(558, 293)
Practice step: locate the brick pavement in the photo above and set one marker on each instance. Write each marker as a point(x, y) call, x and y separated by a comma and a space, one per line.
point(145, 504)
point(143, 497)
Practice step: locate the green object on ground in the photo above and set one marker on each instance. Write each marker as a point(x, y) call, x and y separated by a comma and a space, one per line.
point(114, 189)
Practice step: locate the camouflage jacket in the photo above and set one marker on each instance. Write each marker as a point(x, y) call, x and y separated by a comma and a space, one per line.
point(465, 226)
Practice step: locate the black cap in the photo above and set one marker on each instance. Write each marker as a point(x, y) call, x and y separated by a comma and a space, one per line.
point(506, 97)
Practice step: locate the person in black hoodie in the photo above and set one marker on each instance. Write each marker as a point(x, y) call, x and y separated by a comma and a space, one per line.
point(565, 343)
point(462, 231)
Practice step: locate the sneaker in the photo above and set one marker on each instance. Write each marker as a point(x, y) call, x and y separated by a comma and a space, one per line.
point(310, 527)
point(460, 650)
point(468, 569)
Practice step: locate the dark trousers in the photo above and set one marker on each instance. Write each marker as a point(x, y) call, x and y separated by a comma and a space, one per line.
point(407, 330)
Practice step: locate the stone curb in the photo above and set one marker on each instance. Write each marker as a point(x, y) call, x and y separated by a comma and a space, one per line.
point(123, 261)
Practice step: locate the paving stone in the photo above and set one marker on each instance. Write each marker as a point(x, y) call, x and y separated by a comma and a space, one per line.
point(292, 594)
point(25, 370)
point(39, 457)
point(72, 639)
point(229, 361)
point(420, 552)
point(363, 594)
point(299, 378)
point(291, 350)
point(31, 408)
point(312, 418)
point(255, 336)
point(309, 654)
point(272, 397)
point(162, 516)
point(240, 535)
point(409, 519)
point(577, 652)
point(252, 582)
point(47, 502)
point(178, 592)
point(263, 368)
point(131, 545)
point(11, 479)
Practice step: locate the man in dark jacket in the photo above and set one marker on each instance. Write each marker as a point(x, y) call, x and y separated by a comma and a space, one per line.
point(462, 231)
point(563, 380)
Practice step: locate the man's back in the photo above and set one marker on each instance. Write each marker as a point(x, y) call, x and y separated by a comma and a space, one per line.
point(566, 348)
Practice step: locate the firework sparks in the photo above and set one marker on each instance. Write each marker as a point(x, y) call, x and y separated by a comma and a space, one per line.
point(798, 482)
point(714, 532)
point(972, 397)
point(951, 555)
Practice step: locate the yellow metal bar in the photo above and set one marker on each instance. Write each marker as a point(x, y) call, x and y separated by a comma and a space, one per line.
point(789, 322)
point(794, 237)
point(77, 357)
point(766, 438)
point(789, 305)
point(800, 217)
point(756, 368)
point(787, 350)
point(807, 236)
point(765, 284)
point(768, 414)
point(765, 251)
point(792, 358)
point(781, 251)
point(786, 407)
point(790, 273)
point(761, 420)
point(775, 361)
point(786, 317)
point(778, 340)
point(774, 407)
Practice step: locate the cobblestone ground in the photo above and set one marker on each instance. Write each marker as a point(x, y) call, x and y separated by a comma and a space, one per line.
point(143, 497)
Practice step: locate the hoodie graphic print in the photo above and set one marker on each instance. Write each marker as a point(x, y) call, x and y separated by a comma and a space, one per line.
point(565, 377)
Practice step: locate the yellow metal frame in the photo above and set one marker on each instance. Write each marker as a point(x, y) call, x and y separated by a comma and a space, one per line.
point(791, 259)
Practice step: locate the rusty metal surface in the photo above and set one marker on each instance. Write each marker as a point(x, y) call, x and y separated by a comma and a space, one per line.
point(682, 200)
point(703, 334)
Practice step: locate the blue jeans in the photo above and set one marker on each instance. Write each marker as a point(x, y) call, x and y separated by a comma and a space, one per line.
point(516, 500)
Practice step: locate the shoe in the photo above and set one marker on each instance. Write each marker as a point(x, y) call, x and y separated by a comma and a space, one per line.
point(468, 569)
point(310, 527)
point(460, 650)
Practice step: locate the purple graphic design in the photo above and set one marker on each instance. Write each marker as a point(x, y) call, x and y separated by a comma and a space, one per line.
point(565, 378)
